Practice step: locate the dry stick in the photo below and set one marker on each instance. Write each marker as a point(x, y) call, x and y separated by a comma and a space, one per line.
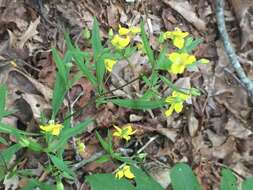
point(229, 49)
point(71, 109)
point(86, 161)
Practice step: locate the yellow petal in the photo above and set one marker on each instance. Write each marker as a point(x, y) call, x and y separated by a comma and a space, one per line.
point(56, 131)
point(123, 30)
point(109, 63)
point(178, 42)
point(115, 40)
point(129, 174)
point(178, 107)
point(119, 174)
point(116, 134)
point(178, 33)
point(177, 68)
point(126, 137)
point(123, 42)
point(190, 60)
point(46, 128)
point(169, 111)
point(117, 128)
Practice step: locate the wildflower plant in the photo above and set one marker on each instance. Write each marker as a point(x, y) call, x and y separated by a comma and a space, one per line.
point(173, 58)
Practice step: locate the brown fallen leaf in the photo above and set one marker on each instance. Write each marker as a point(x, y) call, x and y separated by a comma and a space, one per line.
point(185, 9)
point(29, 33)
point(244, 14)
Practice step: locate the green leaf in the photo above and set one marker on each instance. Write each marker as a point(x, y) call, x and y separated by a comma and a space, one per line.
point(129, 51)
point(108, 182)
point(3, 95)
point(144, 181)
point(103, 143)
point(163, 62)
point(33, 184)
point(228, 180)
point(96, 40)
point(83, 66)
point(60, 65)
point(82, 60)
point(191, 44)
point(3, 141)
point(104, 158)
point(4, 128)
point(174, 87)
point(146, 45)
point(138, 103)
point(58, 95)
point(7, 153)
point(98, 51)
point(247, 184)
point(61, 165)
point(127, 160)
point(183, 178)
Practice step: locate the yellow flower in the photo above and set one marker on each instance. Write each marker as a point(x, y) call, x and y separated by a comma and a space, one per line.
point(80, 147)
point(124, 133)
point(180, 61)
point(109, 63)
point(176, 101)
point(125, 171)
point(52, 128)
point(120, 42)
point(125, 31)
point(177, 37)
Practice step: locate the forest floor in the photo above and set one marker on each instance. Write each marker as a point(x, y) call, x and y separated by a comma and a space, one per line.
point(213, 131)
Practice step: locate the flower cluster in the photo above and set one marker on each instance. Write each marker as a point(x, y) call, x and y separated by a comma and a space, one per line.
point(52, 128)
point(123, 38)
point(124, 133)
point(125, 171)
point(176, 101)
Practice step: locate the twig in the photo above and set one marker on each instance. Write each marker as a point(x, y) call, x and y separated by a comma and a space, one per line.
point(229, 49)
point(91, 159)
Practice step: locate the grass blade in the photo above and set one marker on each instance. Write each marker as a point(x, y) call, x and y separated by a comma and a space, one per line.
point(97, 51)
point(146, 45)
point(139, 103)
